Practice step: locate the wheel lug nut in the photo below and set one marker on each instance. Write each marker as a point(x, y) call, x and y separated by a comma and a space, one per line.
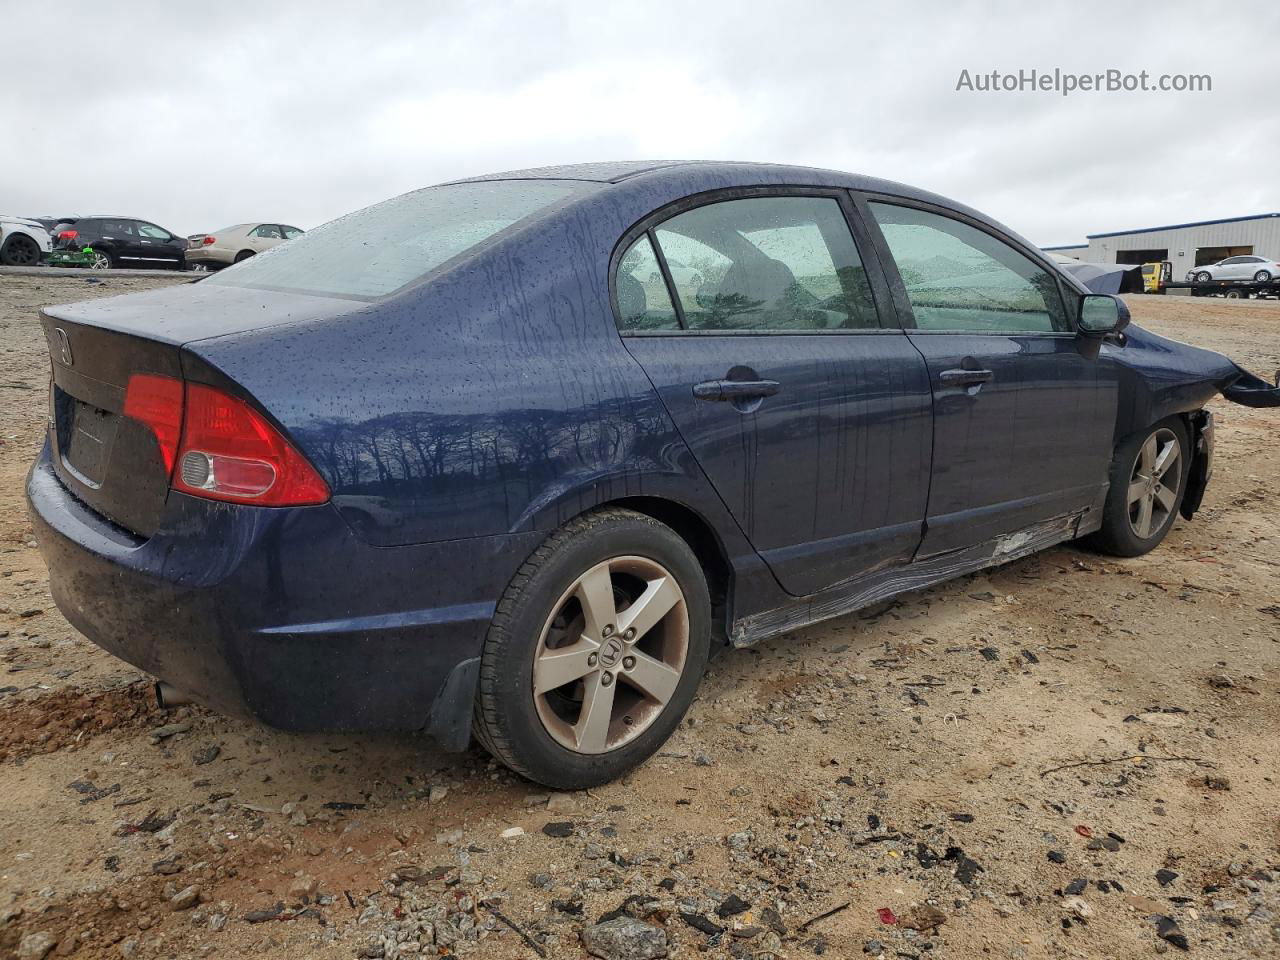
point(592, 660)
point(630, 634)
point(608, 630)
point(606, 678)
point(628, 663)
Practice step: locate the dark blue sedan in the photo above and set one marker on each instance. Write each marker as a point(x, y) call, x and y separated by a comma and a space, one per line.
point(506, 456)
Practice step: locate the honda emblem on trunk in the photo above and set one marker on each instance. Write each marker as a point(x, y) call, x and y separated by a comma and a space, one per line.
point(64, 346)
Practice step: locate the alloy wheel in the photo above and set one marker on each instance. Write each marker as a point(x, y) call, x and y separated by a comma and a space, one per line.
point(22, 251)
point(1154, 483)
point(100, 261)
point(1262, 276)
point(611, 654)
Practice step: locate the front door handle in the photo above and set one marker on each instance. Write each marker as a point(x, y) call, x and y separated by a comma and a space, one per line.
point(965, 378)
point(735, 389)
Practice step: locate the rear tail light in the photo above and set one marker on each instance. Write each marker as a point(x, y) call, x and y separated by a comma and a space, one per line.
point(223, 449)
point(208, 240)
point(157, 402)
point(68, 234)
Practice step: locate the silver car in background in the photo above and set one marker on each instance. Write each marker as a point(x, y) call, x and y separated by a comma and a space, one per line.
point(212, 251)
point(1237, 268)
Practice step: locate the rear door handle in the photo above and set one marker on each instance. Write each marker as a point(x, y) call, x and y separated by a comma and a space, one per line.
point(735, 389)
point(965, 378)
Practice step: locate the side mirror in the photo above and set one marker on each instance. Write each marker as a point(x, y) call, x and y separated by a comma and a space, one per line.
point(1101, 314)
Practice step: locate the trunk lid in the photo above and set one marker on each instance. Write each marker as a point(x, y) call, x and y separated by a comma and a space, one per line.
point(109, 461)
point(114, 463)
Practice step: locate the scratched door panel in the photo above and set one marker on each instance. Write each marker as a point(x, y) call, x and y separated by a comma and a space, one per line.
point(828, 478)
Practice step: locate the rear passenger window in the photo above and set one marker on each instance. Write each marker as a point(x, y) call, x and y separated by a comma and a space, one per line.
point(643, 301)
point(767, 263)
point(961, 278)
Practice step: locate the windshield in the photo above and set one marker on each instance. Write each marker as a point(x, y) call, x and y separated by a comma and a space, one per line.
point(378, 250)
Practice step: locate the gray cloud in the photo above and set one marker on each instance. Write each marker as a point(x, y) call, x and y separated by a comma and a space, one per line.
point(201, 117)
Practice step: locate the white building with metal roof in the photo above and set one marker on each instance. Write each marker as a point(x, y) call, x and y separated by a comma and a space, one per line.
point(1185, 245)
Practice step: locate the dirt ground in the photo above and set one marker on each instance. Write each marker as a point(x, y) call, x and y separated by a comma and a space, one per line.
point(1043, 761)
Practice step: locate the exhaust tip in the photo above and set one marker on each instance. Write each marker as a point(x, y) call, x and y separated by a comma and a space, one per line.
point(168, 697)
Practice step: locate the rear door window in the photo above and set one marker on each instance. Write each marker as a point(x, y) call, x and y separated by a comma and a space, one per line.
point(268, 231)
point(643, 301)
point(767, 263)
point(960, 278)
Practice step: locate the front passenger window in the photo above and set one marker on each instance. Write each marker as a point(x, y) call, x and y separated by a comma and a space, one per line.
point(963, 279)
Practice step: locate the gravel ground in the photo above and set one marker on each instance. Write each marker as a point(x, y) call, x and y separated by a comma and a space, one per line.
point(1069, 756)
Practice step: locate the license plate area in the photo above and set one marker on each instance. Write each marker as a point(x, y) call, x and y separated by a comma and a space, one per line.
point(85, 436)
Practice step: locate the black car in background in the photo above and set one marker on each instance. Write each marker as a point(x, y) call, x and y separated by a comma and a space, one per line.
point(124, 242)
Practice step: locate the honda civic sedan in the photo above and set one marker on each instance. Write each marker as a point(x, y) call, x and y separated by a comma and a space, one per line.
point(478, 460)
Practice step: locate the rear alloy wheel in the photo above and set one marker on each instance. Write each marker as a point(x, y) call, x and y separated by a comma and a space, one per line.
point(20, 251)
point(595, 651)
point(101, 261)
point(1203, 277)
point(1262, 276)
point(1148, 479)
point(594, 685)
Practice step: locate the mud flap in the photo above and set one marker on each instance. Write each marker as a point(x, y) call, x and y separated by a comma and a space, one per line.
point(450, 721)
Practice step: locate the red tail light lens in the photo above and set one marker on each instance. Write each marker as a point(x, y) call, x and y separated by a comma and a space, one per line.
point(68, 234)
point(208, 240)
point(230, 452)
point(157, 402)
point(221, 447)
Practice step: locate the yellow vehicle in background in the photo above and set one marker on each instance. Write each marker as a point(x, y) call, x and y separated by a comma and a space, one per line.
point(1156, 275)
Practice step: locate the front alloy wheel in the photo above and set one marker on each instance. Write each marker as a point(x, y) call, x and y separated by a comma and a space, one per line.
point(1154, 484)
point(1203, 277)
point(1146, 484)
point(611, 654)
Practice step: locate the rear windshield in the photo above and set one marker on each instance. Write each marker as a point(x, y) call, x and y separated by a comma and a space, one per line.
point(378, 250)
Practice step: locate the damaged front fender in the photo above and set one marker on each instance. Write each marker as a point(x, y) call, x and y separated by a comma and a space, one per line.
point(1252, 391)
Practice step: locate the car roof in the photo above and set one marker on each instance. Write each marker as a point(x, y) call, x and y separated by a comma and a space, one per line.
point(695, 171)
point(675, 177)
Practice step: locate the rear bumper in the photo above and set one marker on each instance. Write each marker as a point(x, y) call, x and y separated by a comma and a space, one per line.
point(281, 615)
point(210, 256)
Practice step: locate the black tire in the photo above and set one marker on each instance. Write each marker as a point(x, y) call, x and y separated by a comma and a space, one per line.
point(506, 718)
point(1262, 276)
point(1117, 536)
point(1233, 294)
point(1203, 277)
point(243, 255)
point(20, 251)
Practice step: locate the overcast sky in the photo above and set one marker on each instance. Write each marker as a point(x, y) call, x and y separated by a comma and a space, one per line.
point(197, 116)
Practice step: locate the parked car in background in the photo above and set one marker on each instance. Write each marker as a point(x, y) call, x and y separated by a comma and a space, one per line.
point(455, 462)
point(236, 243)
point(53, 224)
point(1259, 269)
point(124, 242)
point(23, 242)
